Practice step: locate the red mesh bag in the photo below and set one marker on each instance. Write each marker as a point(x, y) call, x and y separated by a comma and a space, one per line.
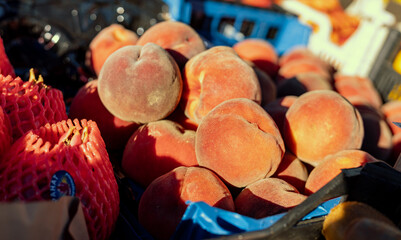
point(5, 66)
point(5, 133)
point(65, 158)
point(30, 104)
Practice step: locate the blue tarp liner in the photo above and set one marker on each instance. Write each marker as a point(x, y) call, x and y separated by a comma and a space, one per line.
point(202, 221)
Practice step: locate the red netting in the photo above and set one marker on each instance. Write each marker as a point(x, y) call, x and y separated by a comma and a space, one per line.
point(26, 171)
point(5, 133)
point(30, 105)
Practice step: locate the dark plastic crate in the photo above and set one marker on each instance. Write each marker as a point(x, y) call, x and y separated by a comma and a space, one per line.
point(386, 80)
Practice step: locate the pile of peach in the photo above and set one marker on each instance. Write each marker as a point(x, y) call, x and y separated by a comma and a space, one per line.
point(239, 128)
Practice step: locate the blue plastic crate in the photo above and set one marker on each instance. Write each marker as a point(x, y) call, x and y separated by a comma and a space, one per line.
point(224, 23)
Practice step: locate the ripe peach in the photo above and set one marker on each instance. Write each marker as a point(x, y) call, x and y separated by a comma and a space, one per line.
point(377, 139)
point(163, 202)
point(267, 86)
point(157, 148)
point(108, 40)
point(86, 104)
point(140, 83)
point(371, 228)
point(267, 197)
point(240, 142)
point(179, 39)
point(214, 76)
point(293, 171)
point(391, 107)
point(396, 117)
point(303, 53)
point(260, 52)
point(320, 123)
point(296, 67)
point(331, 166)
point(278, 108)
point(349, 86)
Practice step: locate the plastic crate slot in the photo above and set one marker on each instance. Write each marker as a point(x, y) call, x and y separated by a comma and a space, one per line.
point(272, 33)
point(247, 28)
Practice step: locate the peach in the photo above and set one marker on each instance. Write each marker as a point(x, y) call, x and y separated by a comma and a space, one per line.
point(240, 142)
point(391, 107)
point(278, 108)
point(86, 104)
point(302, 83)
point(320, 123)
point(258, 3)
point(179, 39)
point(349, 86)
point(260, 52)
point(267, 85)
point(302, 53)
point(107, 41)
point(396, 117)
point(214, 76)
point(343, 216)
point(371, 228)
point(293, 171)
point(164, 201)
point(377, 139)
point(140, 83)
point(157, 148)
point(296, 67)
point(267, 197)
point(331, 166)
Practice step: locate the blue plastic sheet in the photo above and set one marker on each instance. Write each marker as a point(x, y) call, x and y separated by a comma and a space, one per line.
point(202, 221)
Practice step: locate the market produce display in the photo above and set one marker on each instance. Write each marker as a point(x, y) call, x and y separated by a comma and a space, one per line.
point(239, 127)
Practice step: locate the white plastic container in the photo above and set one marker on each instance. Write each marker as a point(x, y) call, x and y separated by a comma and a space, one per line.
point(357, 55)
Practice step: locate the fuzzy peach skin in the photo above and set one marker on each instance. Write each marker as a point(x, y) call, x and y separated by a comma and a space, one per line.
point(331, 166)
point(86, 104)
point(140, 83)
point(278, 108)
point(157, 148)
point(371, 228)
point(108, 40)
point(342, 217)
point(214, 76)
point(260, 52)
point(240, 142)
point(163, 202)
point(293, 171)
point(267, 197)
point(391, 107)
point(296, 67)
point(349, 86)
point(178, 38)
point(390, 122)
point(320, 123)
point(302, 53)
